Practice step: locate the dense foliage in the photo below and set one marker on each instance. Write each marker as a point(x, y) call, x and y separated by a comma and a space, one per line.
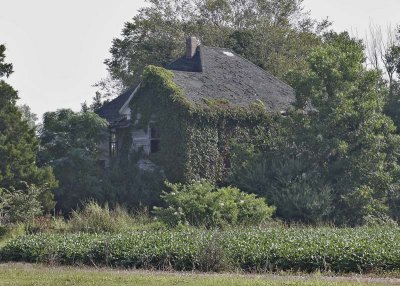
point(194, 137)
point(20, 205)
point(339, 161)
point(304, 249)
point(125, 183)
point(19, 145)
point(276, 35)
point(70, 144)
point(202, 204)
point(74, 143)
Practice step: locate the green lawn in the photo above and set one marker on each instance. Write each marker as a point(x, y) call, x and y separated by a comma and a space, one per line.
point(29, 274)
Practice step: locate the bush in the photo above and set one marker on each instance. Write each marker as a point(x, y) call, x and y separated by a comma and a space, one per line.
point(252, 249)
point(10, 232)
point(18, 206)
point(202, 204)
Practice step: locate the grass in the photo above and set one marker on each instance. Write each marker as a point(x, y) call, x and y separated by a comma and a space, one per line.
point(31, 274)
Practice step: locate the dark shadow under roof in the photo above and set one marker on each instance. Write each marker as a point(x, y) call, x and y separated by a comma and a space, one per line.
point(229, 77)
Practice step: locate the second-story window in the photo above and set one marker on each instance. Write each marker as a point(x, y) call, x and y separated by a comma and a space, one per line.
point(113, 144)
point(154, 138)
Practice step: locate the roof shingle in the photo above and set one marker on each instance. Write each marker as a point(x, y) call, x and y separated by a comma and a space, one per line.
point(218, 74)
point(227, 76)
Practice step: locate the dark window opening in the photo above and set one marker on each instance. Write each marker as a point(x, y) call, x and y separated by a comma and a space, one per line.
point(113, 144)
point(154, 139)
point(227, 162)
point(154, 146)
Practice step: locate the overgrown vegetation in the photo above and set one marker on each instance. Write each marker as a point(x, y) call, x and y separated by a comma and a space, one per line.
point(194, 138)
point(339, 161)
point(19, 206)
point(358, 250)
point(334, 158)
point(276, 35)
point(202, 204)
point(19, 146)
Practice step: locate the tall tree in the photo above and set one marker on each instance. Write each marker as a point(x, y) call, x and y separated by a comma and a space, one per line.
point(19, 145)
point(351, 139)
point(344, 146)
point(70, 144)
point(276, 35)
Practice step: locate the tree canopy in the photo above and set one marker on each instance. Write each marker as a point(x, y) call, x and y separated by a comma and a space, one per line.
point(342, 154)
point(276, 35)
point(70, 144)
point(19, 145)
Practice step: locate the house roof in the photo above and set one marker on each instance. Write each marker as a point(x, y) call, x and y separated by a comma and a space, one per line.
point(220, 74)
point(217, 74)
point(110, 110)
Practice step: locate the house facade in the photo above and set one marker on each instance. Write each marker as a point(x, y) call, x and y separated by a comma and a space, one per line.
point(184, 118)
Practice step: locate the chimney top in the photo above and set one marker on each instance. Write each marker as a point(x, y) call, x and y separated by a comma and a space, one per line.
point(191, 47)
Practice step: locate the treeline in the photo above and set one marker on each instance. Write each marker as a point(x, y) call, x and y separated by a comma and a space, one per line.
point(333, 158)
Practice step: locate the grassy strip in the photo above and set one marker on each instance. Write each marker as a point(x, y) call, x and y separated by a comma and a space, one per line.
point(26, 274)
point(359, 250)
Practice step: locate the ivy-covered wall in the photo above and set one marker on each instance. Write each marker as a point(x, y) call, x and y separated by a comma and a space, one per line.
point(195, 138)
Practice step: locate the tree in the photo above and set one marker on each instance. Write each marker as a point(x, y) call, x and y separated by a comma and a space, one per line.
point(97, 103)
point(351, 140)
point(20, 205)
point(276, 35)
point(290, 183)
point(19, 145)
point(391, 59)
point(28, 115)
point(70, 144)
point(344, 145)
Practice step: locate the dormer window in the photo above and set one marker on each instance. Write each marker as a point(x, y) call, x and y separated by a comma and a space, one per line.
point(154, 133)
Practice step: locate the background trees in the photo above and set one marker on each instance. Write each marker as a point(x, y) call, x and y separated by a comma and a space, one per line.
point(70, 144)
point(276, 35)
point(19, 145)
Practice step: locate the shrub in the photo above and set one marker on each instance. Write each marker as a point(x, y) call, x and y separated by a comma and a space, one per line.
point(10, 232)
point(202, 204)
point(20, 205)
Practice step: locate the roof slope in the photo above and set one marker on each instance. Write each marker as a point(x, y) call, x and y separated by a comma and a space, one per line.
point(110, 110)
point(219, 74)
point(216, 73)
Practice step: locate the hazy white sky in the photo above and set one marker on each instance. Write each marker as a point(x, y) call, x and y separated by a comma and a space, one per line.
point(58, 47)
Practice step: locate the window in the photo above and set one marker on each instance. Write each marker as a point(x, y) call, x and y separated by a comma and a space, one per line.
point(113, 144)
point(154, 138)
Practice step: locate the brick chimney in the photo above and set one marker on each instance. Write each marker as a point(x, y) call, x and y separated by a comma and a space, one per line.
point(191, 47)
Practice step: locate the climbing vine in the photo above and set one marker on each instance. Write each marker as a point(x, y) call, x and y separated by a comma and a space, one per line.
point(195, 138)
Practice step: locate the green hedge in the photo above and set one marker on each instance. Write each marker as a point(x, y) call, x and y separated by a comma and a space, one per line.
point(308, 249)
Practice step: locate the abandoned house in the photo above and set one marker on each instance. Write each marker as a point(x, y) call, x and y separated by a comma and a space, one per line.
point(183, 118)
